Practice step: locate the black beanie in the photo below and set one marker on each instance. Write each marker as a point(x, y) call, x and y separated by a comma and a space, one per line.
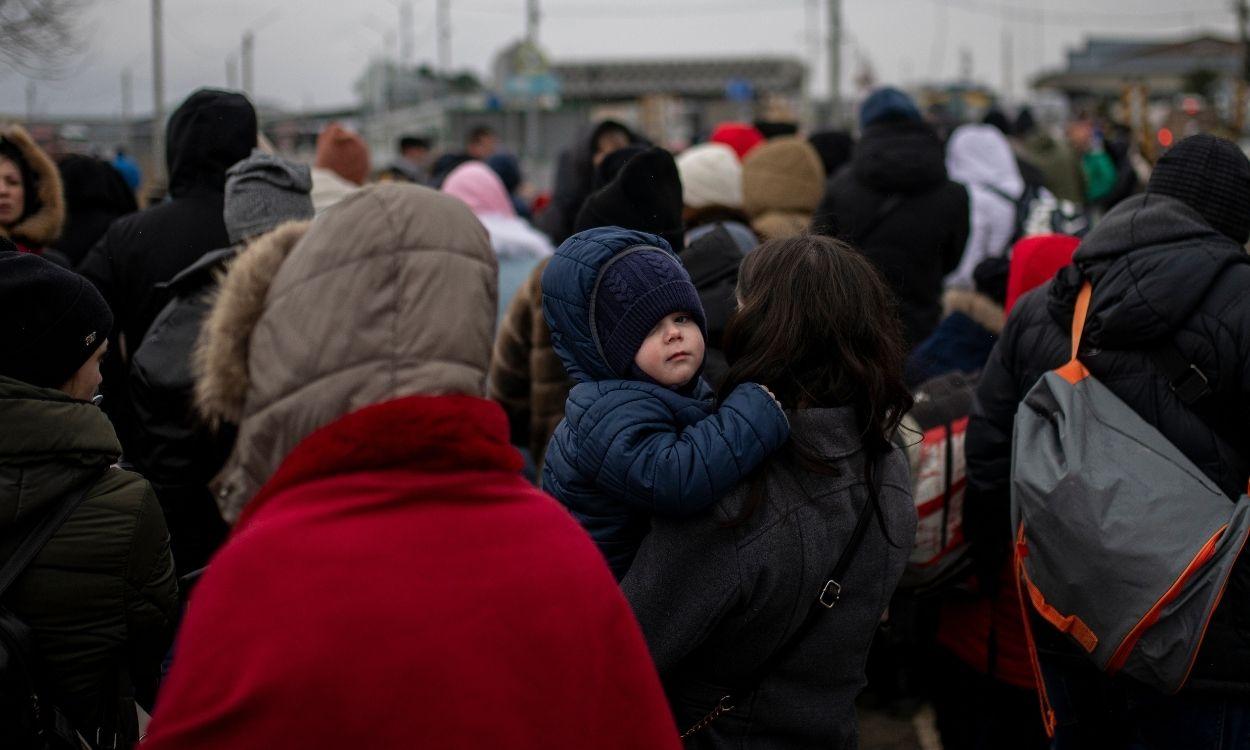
point(54, 320)
point(645, 196)
point(1212, 176)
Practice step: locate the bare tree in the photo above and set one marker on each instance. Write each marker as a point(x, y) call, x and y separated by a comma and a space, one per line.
point(38, 36)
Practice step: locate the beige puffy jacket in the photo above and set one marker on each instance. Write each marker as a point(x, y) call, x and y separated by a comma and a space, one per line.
point(390, 293)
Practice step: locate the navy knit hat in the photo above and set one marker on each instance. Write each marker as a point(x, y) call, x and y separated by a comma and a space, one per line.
point(636, 290)
point(887, 104)
point(1212, 176)
point(54, 320)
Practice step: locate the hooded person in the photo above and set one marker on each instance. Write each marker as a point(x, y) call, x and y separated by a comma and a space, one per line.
point(575, 176)
point(782, 182)
point(366, 451)
point(644, 195)
point(518, 246)
point(340, 167)
point(208, 133)
point(642, 435)
point(980, 158)
point(711, 193)
point(96, 195)
point(1168, 269)
point(32, 206)
point(100, 597)
point(896, 204)
point(1060, 166)
point(172, 448)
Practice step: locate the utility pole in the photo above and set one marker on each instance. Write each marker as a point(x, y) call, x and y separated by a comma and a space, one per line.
point(532, 17)
point(127, 109)
point(443, 22)
point(1008, 66)
point(30, 101)
point(835, 62)
point(1243, 28)
point(232, 71)
point(157, 169)
point(246, 56)
point(811, 37)
point(405, 33)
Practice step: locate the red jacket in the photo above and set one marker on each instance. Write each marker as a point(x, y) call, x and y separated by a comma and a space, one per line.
point(398, 584)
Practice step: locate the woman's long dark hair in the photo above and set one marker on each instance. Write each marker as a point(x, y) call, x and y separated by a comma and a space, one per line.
point(817, 325)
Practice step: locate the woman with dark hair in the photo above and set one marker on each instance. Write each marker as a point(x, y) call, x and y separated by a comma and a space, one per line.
point(32, 208)
point(759, 615)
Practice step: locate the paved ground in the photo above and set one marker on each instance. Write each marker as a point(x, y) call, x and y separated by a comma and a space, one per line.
point(885, 730)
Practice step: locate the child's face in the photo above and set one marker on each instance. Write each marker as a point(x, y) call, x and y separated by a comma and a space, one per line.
point(673, 352)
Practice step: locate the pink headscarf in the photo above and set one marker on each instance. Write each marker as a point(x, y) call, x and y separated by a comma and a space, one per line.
point(477, 185)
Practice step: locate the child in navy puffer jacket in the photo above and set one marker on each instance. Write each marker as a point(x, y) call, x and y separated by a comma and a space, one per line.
point(641, 433)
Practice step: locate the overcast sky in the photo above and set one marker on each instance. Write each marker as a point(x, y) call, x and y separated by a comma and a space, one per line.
point(308, 53)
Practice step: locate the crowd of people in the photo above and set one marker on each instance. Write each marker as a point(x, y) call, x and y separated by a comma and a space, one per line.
point(333, 455)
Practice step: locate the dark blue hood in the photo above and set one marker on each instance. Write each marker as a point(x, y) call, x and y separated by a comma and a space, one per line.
point(569, 283)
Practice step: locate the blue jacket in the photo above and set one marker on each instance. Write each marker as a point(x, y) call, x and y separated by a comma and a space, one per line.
point(628, 449)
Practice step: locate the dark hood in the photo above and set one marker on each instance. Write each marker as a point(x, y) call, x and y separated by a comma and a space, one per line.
point(899, 157)
point(712, 261)
point(1152, 261)
point(93, 184)
point(208, 134)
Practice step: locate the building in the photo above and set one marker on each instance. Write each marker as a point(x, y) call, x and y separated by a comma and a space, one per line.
point(1105, 66)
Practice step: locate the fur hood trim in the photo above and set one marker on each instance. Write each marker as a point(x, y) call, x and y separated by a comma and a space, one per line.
point(220, 360)
point(984, 311)
point(43, 227)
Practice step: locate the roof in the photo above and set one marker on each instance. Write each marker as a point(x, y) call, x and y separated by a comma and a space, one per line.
point(1136, 58)
point(688, 77)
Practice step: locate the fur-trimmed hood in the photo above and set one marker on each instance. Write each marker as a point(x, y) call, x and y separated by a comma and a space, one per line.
point(389, 293)
point(38, 229)
point(983, 311)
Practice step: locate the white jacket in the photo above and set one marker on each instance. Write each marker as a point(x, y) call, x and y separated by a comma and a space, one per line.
point(980, 157)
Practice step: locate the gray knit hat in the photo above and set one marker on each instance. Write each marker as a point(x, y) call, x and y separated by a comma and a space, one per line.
point(263, 191)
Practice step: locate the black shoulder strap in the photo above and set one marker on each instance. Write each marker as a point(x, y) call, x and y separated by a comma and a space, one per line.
point(885, 209)
point(1191, 386)
point(826, 599)
point(36, 539)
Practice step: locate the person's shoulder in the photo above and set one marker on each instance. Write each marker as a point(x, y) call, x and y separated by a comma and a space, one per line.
point(620, 401)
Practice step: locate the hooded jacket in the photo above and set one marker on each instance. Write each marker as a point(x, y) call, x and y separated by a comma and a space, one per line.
point(1159, 274)
point(629, 449)
point(980, 158)
point(96, 195)
point(713, 260)
point(41, 223)
point(782, 182)
point(101, 595)
point(358, 602)
point(207, 134)
point(716, 596)
point(895, 203)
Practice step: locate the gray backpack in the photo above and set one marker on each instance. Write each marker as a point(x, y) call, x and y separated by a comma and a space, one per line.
point(1122, 542)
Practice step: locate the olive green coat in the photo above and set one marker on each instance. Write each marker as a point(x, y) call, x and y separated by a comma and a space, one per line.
point(102, 592)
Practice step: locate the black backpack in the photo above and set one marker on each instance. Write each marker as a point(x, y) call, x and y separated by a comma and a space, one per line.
point(27, 720)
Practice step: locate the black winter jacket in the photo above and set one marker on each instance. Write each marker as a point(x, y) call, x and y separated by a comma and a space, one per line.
point(922, 238)
point(713, 262)
point(207, 134)
point(172, 447)
point(1159, 273)
point(96, 195)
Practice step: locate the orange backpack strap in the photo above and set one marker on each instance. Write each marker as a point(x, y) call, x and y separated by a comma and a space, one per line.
point(1074, 371)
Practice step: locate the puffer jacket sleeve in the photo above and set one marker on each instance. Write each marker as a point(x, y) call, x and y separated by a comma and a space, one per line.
point(510, 382)
point(629, 444)
point(151, 597)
